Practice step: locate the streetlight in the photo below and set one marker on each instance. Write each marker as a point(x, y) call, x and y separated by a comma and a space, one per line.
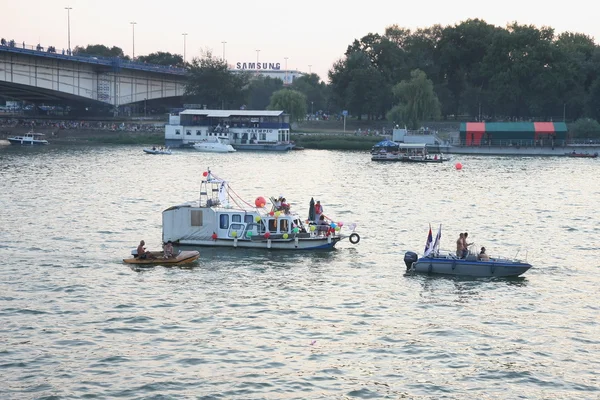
point(224, 43)
point(286, 79)
point(144, 107)
point(133, 30)
point(184, 35)
point(312, 112)
point(309, 69)
point(257, 52)
point(69, 26)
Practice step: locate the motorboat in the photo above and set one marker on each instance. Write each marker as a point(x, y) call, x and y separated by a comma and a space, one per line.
point(581, 155)
point(435, 261)
point(387, 150)
point(155, 150)
point(220, 218)
point(158, 258)
point(30, 138)
point(214, 146)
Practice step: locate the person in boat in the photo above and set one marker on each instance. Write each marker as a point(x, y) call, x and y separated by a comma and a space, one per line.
point(460, 245)
point(142, 253)
point(277, 203)
point(154, 148)
point(318, 211)
point(465, 245)
point(168, 249)
point(322, 225)
point(285, 207)
point(482, 256)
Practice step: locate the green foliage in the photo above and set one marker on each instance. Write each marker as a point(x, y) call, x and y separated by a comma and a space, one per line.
point(290, 101)
point(212, 84)
point(260, 90)
point(162, 58)
point(99, 50)
point(315, 91)
point(585, 128)
point(418, 101)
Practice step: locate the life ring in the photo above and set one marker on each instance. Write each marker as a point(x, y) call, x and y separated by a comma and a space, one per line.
point(354, 238)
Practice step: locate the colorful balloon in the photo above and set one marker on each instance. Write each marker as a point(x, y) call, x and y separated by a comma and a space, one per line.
point(277, 214)
point(458, 166)
point(337, 228)
point(333, 225)
point(312, 228)
point(249, 234)
point(205, 174)
point(214, 236)
point(271, 213)
point(257, 219)
point(234, 234)
point(267, 235)
point(296, 230)
point(340, 224)
point(260, 202)
point(285, 236)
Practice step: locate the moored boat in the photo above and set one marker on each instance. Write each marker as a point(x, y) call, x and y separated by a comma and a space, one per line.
point(581, 155)
point(158, 258)
point(220, 218)
point(214, 146)
point(405, 152)
point(30, 138)
point(435, 261)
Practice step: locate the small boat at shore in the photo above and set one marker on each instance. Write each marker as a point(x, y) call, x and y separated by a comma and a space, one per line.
point(214, 146)
point(581, 155)
point(30, 138)
point(155, 150)
point(435, 261)
point(158, 258)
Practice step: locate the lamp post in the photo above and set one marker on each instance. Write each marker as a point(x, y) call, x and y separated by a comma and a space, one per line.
point(312, 112)
point(286, 78)
point(224, 43)
point(257, 52)
point(309, 69)
point(184, 36)
point(133, 31)
point(69, 27)
point(144, 107)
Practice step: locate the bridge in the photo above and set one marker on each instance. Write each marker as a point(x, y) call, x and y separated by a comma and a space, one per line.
point(35, 75)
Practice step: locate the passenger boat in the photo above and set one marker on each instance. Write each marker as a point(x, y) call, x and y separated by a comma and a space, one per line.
point(581, 155)
point(404, 152)
point(220, 218)
point(154, 150)
point(435, 261)
point(214, 146)
point(30, 138)
point(242, 129)
point(183, 257)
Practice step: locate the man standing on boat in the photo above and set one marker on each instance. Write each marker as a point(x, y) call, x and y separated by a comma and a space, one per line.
point(318, 210)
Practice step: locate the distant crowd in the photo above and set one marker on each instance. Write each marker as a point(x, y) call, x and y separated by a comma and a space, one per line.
point(95, 125)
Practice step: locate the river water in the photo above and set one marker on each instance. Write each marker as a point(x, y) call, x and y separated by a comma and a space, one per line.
point(75, 322)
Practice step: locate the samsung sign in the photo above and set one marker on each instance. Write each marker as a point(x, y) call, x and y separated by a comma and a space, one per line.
point(256, 66)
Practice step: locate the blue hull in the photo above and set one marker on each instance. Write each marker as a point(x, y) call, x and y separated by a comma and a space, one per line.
point(461, 267)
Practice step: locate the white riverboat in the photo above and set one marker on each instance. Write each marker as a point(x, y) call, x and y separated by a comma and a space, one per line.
point(30, 138)
point(405, 152)
point(221, 219)
point(242, 129)
point(216, 145)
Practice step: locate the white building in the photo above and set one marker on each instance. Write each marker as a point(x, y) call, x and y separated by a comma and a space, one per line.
point(270, 69)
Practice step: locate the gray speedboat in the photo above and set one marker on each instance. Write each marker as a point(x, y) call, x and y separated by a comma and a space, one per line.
point(449, 264)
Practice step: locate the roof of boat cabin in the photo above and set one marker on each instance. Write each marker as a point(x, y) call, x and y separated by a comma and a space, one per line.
point(235, 113)
point(412, 145)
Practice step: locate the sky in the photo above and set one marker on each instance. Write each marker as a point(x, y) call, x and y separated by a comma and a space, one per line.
point(308, 32)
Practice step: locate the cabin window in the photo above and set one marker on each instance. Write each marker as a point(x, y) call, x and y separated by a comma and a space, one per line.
point(272, 225)
point(188, 132)
point(198, 133)
point(196, 217)
point(263, 136)
point(238, 229)
point(284, 225)
point(177, 132)
point(236, 218)
point(248, 219)
point(224, 221)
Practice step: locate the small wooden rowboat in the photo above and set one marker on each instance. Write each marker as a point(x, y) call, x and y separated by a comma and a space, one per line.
point(183, 257)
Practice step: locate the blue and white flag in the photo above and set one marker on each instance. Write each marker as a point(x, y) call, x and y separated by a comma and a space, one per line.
point(428, 243)
point(436, 242)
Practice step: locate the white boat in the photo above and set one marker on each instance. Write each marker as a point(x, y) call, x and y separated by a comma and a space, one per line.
point(242, 129)
point(155, 150)
point(405, 152)
point(221, 219)
point(214, 146)
point(30, 138)
point(435, 261)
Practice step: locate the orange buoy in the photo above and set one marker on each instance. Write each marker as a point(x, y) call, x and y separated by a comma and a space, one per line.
point(458, 166)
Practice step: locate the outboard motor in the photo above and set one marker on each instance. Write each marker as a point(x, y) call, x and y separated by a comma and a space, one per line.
point(410, 257)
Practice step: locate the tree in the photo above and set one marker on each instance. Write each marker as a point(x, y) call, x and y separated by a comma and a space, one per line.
point(99, 50)
point(210, 83)
point(290, 101)
point(418, 101)
point(260, 90)
point(314, 89)
point(162, 58)
point(585, 128)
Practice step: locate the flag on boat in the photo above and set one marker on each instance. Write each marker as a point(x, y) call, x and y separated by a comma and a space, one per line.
point(436, 242)
point(428, 243)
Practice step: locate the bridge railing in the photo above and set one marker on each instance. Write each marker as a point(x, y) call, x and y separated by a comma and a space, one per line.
point(113, 62)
